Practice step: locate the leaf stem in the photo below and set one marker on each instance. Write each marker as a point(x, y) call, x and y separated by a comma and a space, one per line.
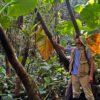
point(8, 4)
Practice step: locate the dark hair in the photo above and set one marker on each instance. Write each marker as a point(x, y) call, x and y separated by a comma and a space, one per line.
point(76, 38)
point(80, 41)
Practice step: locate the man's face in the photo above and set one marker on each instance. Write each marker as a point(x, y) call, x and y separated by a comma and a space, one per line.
point(77, 41)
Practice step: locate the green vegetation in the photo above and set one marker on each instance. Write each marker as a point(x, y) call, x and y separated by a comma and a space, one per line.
point(20, 22)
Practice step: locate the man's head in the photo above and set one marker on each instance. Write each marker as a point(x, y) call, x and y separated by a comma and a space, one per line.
point(77, 41)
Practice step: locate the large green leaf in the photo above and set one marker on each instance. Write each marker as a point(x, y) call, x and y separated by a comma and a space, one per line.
point(1, 69)
point(78, 8)
point(50, 1)
point(2, 9)
point(66, 27)
point(87, 29)
point(91, 15)
point(92, 1)
point(5, 21)
point(62, 1)
point(54, 1)
point(79, 23)
point(47, 79)
point(8, 97)
point(21, 7)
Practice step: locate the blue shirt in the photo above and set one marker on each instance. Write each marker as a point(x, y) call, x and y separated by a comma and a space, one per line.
point(76, 59)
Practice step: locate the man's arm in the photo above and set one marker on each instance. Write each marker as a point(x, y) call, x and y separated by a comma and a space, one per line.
point(91, 70)
point(61, 47)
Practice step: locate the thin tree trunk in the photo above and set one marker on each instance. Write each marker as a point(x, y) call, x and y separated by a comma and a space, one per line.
point(18, 81)
point(73, 19)
point(8, 71)
point(27, 81)
point(68, 92)
point(20, 21)
point(17, 87)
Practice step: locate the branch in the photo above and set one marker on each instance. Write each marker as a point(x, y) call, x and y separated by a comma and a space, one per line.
point(73, 19)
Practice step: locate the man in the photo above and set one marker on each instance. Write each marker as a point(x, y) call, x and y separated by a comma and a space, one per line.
point(79, 68)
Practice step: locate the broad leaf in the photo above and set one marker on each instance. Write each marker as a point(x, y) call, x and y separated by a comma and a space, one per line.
point(54, 1)
point(44, 45)
point(21, 7)
point(91, 15)
point(47, 79)
point(50, 1)
point(66, 27)
point(87, 29)
point(62, 1)
point(8, 97)
point(78, 8)
point(1, 69)
point(92, 1)
point(46, 67)
point(94, 43)
point(5, 21)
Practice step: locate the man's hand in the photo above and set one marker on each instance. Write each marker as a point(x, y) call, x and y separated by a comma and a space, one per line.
point(90, 79)
point(54, 41)
point(62, 48)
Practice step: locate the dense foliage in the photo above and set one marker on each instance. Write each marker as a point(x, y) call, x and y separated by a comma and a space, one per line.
point(49, 73)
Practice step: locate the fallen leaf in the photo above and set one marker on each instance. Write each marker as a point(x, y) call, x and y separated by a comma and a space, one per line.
point(43, 45)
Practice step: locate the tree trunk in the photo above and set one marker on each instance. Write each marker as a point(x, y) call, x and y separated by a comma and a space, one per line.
point(73, 19)
point(8, 71)
point(27, 81)
point(68, 92)
point(20, 21)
